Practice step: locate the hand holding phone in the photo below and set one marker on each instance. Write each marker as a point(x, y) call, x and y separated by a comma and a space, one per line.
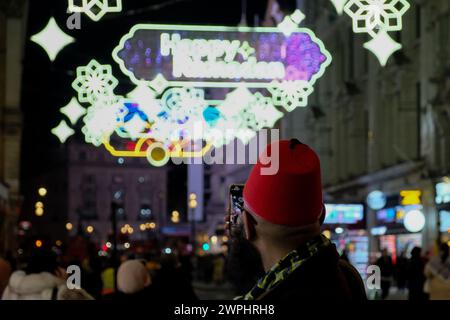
point(236, 206)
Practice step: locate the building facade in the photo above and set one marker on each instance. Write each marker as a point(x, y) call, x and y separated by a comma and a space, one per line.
point(375, 128)
point(96, 180)
point(378, 128)
point(12, 39)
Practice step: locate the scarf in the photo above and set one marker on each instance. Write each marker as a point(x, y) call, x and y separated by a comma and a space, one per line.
point(286, 266)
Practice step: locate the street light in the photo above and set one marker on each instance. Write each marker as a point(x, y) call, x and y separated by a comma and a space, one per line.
point(39, 209)
point(192, 204)
point(42, 192)
point(38, 243)
point(39, 212)
point(69, 226)
point(175, 217)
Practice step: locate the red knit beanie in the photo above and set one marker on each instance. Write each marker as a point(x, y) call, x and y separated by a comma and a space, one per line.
point(293, 195)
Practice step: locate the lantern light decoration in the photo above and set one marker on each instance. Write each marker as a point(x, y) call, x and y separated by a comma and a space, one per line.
point(377, 18)
point(52, 39)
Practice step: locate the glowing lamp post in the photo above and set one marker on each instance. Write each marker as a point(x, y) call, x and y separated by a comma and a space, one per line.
point(192, 204)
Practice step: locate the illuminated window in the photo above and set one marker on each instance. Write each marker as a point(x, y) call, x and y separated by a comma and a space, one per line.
point(145, 212)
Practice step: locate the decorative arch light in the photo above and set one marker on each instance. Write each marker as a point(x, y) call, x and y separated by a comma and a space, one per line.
point(256, 72)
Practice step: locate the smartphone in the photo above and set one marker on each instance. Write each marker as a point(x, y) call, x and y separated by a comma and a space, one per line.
point(236, 203)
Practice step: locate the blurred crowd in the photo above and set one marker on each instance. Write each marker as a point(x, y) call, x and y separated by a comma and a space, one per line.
point(43, 276)
point(420, 277)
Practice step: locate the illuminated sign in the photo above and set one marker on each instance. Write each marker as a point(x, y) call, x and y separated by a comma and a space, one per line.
point(344, 213)
point(378, 231)
point(395, 215)
point(410, 197)
point(377, 18)
point(376, 200)
point(225, 57)
point(414, 221)
point(228, 81)
point(444, 219)
point(442, 193)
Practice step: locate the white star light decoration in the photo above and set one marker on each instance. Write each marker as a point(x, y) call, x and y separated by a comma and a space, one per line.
point(52, 39)
point(73, 111)
point(95, 9)
point(377, 17)
point(63, 131)
point(291, 22)
point(339, 5)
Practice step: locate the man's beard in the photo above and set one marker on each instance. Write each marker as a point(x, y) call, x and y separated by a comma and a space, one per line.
point(244, 262)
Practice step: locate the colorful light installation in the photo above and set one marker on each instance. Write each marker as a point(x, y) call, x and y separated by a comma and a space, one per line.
point(377, 18)
point(52, 39)
point(250, 73)
point(95, 9)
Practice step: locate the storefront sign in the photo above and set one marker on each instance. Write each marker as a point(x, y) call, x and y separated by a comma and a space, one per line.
point(344, 213)
point(376, 200)
point(410, 197)
point(442, 193)
point(414, 221)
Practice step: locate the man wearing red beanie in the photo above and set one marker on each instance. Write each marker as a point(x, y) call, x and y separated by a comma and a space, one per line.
point(281, 220)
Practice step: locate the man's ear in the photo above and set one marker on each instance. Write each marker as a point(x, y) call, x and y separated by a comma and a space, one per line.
point(249, 225)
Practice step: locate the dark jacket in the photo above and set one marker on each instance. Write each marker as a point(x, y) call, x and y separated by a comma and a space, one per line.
point(324, 276)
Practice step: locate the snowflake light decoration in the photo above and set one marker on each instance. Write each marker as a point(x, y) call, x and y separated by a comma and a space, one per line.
point(94, 81)
point(377, 17)
point(183, 103)
point(52, 39)
point(291, 94)
point(259, 113)
point(101, 121)
point(95, 9)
